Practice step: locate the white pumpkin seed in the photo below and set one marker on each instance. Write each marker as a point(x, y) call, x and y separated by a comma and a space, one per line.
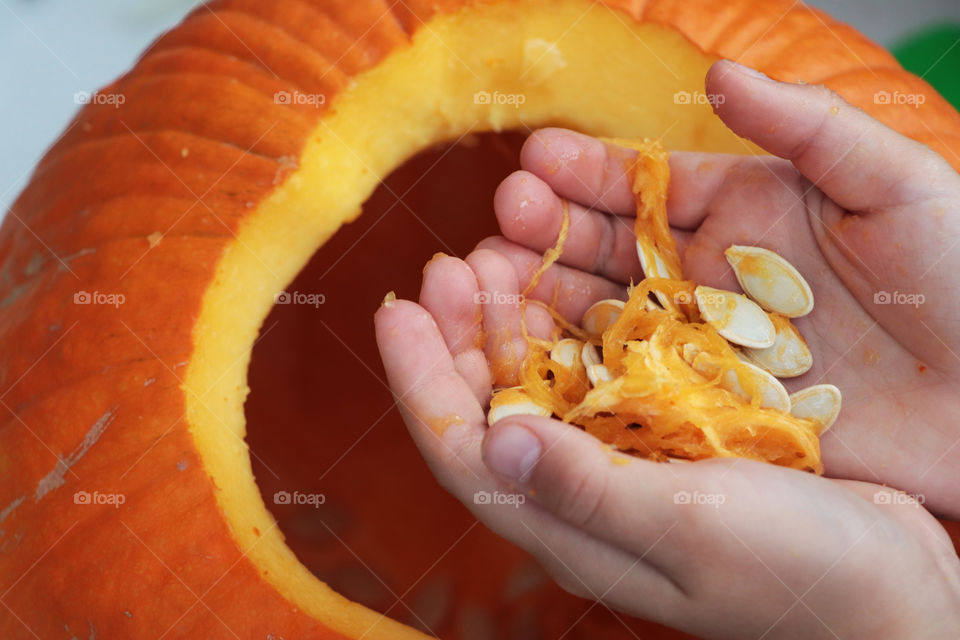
point(770, 280)
point(597, 373)
point(689, 352)
point(820, 403)
point(650, 261)
point(565, 352)
point(735, 317)
point(514, 401)
point(589, 355)
point(788, 357)
point(601, 315)
point(773, 395)
point(654, 267)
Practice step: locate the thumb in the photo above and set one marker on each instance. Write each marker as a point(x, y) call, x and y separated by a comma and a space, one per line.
point(895, 252)
point(858, 162)
point(614, 497)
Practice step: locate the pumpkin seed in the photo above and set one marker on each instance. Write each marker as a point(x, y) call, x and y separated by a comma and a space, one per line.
point(772, 393)
point(654, 266)
point(601, 315)
point(589, 355)
point(514, 401)
point(689, 351)
point(820, 403)
point(650, 261)
point(735, 317)
point(597, 373)
point(770, 280)
point(565, 352)
point(788, 357)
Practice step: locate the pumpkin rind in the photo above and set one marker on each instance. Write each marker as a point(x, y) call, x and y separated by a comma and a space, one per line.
point(95, 397)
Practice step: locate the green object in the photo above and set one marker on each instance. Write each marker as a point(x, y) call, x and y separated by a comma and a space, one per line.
point(934, 55)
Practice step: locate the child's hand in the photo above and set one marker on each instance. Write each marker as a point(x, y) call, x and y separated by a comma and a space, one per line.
point(758, 548)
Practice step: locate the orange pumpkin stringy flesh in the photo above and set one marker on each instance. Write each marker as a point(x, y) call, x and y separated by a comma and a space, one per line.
point(658, 405)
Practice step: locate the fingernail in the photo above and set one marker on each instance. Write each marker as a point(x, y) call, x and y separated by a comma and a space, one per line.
point(512, 452)
point(748, 71)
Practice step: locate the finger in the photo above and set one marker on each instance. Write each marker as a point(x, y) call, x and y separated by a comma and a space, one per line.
point(501, 308)
point(575, 476)
point(695, 181)
point(447, 425)
point(581, 168)
point(449, 293)
point(438, 406)
point(909, 510)
point(531, 214)
point(858, 162)
point(573, 290)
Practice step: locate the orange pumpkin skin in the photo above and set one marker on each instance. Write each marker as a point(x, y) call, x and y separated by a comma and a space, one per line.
point(92, 395)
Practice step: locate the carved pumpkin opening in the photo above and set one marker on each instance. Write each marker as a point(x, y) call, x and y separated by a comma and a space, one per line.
point(320, 419)
point(331, 455)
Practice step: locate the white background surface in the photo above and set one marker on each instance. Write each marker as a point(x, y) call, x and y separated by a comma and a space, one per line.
point(51, 49)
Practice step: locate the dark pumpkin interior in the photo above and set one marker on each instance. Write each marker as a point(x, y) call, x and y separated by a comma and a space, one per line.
point(321, 420)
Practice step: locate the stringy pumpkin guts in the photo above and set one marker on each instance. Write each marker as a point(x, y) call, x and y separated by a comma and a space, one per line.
point(680, 371)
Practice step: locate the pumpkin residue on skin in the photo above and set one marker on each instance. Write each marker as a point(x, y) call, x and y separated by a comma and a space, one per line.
point(871, 356)
point(433, 258)
point(505, 364)
point(921, 368)
point(440, 424)
point(480, 339)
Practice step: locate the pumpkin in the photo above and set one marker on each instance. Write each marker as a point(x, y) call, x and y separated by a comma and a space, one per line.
point(144, 256)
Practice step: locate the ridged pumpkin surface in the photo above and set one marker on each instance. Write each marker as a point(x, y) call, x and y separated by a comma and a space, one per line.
point(154, 200)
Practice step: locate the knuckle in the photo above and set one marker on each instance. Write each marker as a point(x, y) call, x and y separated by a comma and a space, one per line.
point(582, 502)
point(460, 447)
point(605, 251)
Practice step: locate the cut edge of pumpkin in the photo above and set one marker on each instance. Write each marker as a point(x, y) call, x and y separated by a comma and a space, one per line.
point(388, 115)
